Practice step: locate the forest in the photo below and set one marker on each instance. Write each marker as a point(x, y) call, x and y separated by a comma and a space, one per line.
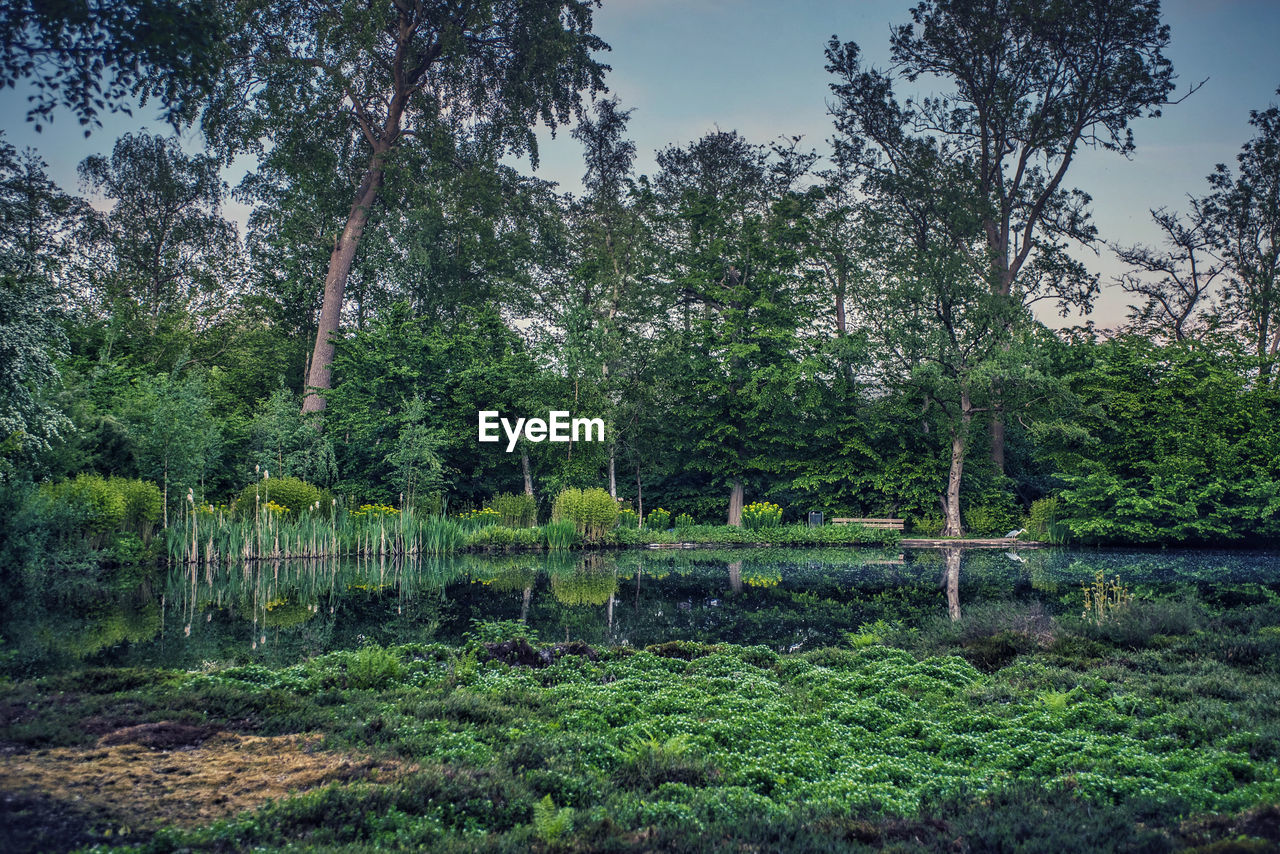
point(768, 328)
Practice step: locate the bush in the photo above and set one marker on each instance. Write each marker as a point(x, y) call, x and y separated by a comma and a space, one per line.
point(143, 505)
point(990, 520)
point(659, 520)
point(761, 514)
point(1043, 523)
point(629, 519)
point(684, 522)
point(290, 492)
point(593, 512)
point(926, 526)
point(98, 508)
point(516, 509)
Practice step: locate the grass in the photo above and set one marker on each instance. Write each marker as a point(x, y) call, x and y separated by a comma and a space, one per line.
point(1080, 740)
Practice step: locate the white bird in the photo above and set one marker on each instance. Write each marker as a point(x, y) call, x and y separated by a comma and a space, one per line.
point(1012, 534)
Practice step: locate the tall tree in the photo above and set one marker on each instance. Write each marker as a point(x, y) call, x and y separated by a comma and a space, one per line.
point(380, 73)
point(170, 258)
point(1244, 210)
point(1034, 83)
point(727, 214)
point(36, 221)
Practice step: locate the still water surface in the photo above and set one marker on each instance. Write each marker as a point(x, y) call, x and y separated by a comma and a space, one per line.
point(281, 613)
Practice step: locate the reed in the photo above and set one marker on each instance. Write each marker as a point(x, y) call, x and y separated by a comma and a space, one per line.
point(216, 535)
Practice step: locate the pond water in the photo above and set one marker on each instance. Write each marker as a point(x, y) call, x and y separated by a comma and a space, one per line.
point(280, 613)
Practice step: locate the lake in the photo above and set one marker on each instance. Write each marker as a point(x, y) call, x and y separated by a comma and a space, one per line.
point(789, 600)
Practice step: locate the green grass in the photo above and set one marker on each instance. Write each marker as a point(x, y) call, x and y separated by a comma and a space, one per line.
point(1079, 740)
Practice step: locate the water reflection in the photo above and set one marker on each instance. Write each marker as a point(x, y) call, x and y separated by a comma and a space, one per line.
point(283, 611)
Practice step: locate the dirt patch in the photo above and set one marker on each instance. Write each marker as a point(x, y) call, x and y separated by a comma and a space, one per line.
point(167, 773)
point(519, 653)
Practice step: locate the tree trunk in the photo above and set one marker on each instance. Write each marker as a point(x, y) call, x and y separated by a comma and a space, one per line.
point(735, 503)
point(997, 440)
point(528, 478)
point(335, 283)
point(959, 439)
point(613, 470)
point(639, 496)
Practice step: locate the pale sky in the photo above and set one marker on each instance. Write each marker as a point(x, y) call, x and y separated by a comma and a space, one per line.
point(756, 66)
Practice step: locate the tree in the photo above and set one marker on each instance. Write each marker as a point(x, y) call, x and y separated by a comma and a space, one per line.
point(1177, 304)
point(377, 74)
point(729, 218)
point(607, 303)
point(167, 259)
point(175, 437)
point(1034, 83)
point(1244, 212)
point(36, 219)
point(414, 461)
point(92, 55)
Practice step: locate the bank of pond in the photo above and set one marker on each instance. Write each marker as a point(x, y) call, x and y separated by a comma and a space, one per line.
point(766, 699)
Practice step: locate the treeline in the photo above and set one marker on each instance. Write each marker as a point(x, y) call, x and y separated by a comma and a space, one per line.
point(850, 333)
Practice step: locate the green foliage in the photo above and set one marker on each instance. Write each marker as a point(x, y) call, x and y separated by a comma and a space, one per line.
point(560, 536)
point(99, 508)
point(143, 505)
point(658, 520)
point(373, 667)
point(1180, 447)
point(291, 492)
point(628, 518)
point(516, 509)
point(684, 522)
point(593, 512)
point(761, 514)
point(1043, 523)
point(991, 520)
point(549, 823)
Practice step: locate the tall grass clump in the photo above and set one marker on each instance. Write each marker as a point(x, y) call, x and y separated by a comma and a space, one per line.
point(441, 536)
point(516, 509)
point(560, 536)
point(593, 512)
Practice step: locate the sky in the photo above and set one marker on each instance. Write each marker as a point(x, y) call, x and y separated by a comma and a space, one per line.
point(688, 67)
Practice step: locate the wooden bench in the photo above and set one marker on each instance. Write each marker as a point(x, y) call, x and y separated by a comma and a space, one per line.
point(890, 524)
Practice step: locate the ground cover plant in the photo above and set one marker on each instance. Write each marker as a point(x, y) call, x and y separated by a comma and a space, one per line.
point(1029, 722)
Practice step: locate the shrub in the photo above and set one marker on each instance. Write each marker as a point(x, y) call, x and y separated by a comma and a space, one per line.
point(516, 509)
point(926, 526)
point(593, 512)
point(628, 519)
point(659, 520)
point(684, 522)
point(1043, 523)
point(761, 514)
point(143, 505)
point(290, 492)
point(99, 509)
point(990, 520)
